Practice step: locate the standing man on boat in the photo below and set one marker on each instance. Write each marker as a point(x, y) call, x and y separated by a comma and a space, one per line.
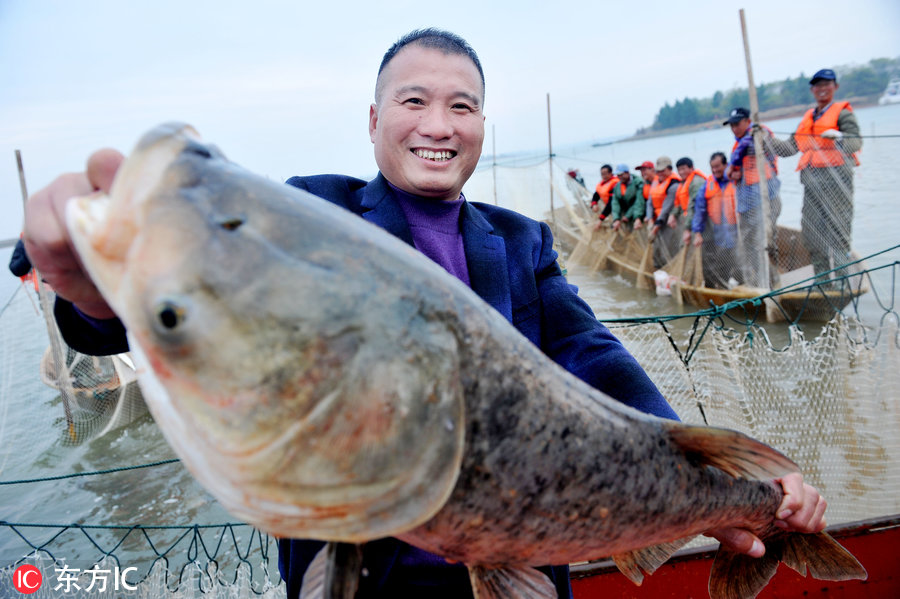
point(603, 193)
point(828, 136)
point(627, 199)
point(427, 127)
point(755, 246)
point(715, 210)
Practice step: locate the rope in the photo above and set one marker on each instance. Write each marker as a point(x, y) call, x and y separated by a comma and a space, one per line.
point(93, 473)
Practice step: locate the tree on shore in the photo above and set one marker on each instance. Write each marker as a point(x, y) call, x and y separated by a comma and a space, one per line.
point(856, 81)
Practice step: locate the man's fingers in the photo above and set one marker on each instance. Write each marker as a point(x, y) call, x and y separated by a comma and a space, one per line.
point(739, 541)
point(102, 167)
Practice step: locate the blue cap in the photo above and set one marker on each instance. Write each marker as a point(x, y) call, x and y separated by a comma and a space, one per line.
point(621, 168)
point(823, 74)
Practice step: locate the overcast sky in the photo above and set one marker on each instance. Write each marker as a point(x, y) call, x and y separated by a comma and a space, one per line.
point(284, 87)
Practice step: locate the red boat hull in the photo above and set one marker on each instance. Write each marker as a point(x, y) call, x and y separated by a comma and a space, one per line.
point(875, 543)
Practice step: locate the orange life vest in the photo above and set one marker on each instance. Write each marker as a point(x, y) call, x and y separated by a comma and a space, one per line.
point(720, 202)
point(683, 195)
point(819, 151)
point(605, 189)
point(646, 189)
point(749, 172)
point(658, 192)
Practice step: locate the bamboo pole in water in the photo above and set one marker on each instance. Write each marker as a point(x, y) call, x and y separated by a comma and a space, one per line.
point(758, 150)
point(63, 383)
point(550, 161)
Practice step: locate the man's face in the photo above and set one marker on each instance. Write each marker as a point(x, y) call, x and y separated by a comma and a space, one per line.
point(427, 124)
point(648, 174)
point(662, 174)
point(717, 166)
point(605, 174)
point(823, 91)
point(625, 177)
point(740, 128)
point(684, 170)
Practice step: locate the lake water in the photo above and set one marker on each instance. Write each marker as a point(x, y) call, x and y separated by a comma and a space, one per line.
point(32, 437)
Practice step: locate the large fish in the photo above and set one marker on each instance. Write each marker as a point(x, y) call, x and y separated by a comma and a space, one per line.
point(324, 380)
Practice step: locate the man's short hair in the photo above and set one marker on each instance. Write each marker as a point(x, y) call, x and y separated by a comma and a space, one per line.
point(685, 162)
point(607, 167)
point(438, 39)
point(720, 155)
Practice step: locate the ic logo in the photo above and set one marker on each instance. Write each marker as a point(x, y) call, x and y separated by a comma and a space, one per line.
point(27, 579)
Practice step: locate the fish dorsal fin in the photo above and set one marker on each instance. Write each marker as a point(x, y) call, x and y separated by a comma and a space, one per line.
point(634, 563)
point(730, 451)
point(502, 583)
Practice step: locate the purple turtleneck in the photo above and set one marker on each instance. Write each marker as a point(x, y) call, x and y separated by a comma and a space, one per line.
point(435, 229)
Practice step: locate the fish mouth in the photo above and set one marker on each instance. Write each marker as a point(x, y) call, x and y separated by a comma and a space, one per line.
point(103, 227)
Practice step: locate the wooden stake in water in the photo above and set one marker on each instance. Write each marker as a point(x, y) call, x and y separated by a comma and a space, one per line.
point(63, 382)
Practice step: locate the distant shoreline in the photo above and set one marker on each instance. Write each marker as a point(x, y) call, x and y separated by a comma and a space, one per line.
point(7, 243)
point(775, 114)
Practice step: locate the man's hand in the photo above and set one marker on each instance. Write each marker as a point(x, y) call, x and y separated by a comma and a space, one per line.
point(616, 225)
point(638, 224)
point(686, 237)
point(832, 134)
point(802, 511)
point(672, 222)
point(47, 240)
point(698, 239)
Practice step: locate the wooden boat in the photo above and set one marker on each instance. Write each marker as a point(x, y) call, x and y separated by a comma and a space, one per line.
point(798, 298)
point(873, 542)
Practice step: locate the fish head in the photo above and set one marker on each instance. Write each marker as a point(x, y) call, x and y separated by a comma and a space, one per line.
point(284, 360)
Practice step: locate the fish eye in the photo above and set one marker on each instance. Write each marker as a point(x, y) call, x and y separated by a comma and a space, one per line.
point(232, 223)
point(169, 314)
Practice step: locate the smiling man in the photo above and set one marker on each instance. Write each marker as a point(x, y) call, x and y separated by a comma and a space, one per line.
point(427, 127)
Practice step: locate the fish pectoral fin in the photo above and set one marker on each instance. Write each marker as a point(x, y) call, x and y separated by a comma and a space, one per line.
point(505, 582)
point(633, 564)
point(334, 572)
point(739, 576)
point(730, 451)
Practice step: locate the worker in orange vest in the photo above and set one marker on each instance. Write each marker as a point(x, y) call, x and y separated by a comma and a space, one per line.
point(756, 248)
point(828, 137)
point(691, 180)
point(715, 210)
point(600, 200)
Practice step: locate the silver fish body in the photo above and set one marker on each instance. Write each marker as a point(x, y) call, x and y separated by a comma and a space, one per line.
point(324, 380)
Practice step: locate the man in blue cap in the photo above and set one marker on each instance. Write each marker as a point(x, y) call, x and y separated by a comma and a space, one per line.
point(828, 137)
point(626, 209)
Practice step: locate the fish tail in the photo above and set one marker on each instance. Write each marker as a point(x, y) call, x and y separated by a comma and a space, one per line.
point(739, 576)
